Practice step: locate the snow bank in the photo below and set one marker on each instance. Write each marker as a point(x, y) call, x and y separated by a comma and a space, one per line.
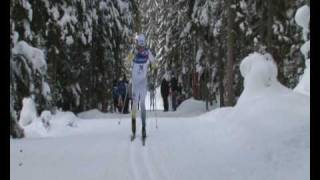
point(49, 125)
point(269, 127)
point(192, 105)
point(260, 76)
point(97, 114)
point(45, 118)
point(29, 120)
point(63, 121)
point(28, 113)
point(267, 138)
point(34, 55)
point(36, 129)
point(91, 114)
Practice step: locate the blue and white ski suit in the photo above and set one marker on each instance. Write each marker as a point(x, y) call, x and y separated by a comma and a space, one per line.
point(140, 64)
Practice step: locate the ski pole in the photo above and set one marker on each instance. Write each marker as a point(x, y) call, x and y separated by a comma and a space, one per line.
point(155, 100)
point(156, 111)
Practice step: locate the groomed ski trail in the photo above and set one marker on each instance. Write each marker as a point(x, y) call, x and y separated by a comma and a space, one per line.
point(142, 164)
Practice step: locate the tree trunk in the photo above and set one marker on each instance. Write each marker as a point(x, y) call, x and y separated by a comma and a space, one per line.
point(229, 100)
point(206, 92)
point(220, 80)
point(269, 24)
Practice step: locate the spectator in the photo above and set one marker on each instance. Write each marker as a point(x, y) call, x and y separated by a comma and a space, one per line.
point(165, 93)
point(123, 100)
point(115, 95)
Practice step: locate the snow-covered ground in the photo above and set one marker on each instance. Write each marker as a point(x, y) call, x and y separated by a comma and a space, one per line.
point(264, 137)
point(270, 141)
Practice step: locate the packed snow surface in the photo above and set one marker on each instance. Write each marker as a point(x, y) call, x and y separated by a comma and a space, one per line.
point(264, 137)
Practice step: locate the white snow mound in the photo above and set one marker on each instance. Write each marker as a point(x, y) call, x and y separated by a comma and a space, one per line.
point(260, 74)
point(48, 125)
point(191, 105)
point(28, 112)
point(272, 133)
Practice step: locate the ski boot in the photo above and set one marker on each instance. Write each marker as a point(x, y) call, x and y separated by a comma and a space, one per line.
point(144, 135)
point(133, 126)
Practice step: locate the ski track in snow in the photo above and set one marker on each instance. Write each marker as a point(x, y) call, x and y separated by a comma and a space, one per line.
point(136, 173)
point(142, 161)
point(154, 165)
point(140, 164)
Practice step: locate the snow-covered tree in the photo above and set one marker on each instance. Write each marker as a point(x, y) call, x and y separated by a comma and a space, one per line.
point(302, 18)
point(83, 43)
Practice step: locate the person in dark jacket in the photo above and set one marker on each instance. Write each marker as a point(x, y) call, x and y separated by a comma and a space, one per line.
point(165, 93)
point(174, 92)
point(122, 90)
point(115, 95)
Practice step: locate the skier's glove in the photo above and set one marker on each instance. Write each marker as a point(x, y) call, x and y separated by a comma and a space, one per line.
point(130, 56)
point(154, 66)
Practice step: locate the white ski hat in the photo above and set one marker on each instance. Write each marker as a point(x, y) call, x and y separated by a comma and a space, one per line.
point(141, 41)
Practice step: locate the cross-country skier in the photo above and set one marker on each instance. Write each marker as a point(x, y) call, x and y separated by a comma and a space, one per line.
point(141, 58)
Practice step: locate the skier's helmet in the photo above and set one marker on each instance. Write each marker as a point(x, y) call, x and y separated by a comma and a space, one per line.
point(141, 40)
